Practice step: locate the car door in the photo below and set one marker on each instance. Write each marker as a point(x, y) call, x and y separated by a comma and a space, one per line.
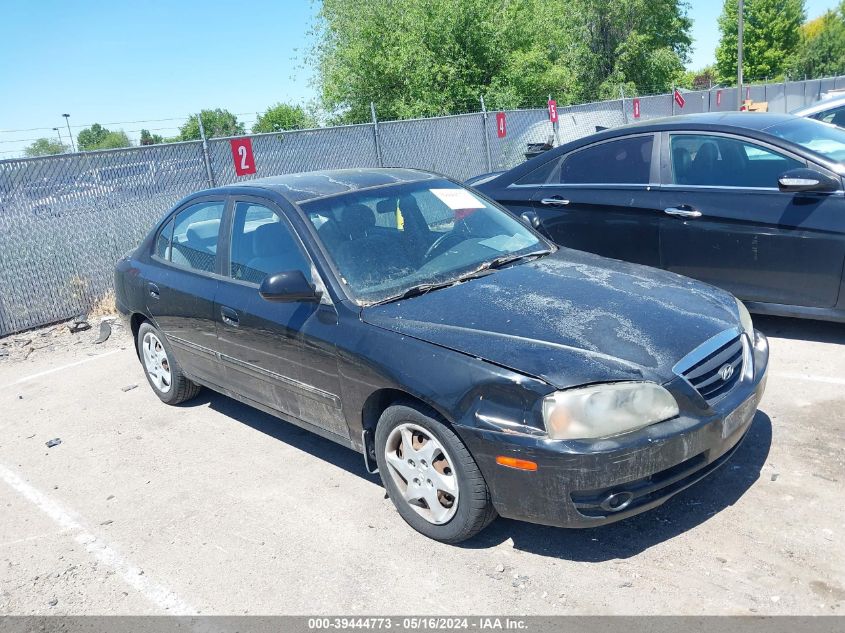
point(277, 354)
point(181, 282)
point(602, 198)
point(727, 223)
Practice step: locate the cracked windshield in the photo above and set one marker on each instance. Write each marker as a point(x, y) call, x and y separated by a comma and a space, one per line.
point(396, 239)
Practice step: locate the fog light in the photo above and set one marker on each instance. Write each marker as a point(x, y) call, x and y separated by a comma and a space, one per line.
point(513, 462)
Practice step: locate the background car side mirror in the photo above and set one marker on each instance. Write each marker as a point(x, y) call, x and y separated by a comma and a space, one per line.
point(288, 286)
point(797, 180)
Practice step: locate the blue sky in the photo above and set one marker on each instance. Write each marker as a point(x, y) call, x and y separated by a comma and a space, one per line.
point(121, 62)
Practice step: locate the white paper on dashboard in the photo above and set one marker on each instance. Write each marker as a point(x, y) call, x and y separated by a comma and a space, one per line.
point(458, 198)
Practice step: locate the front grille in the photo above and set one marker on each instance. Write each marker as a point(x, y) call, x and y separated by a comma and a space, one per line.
point(707, 374)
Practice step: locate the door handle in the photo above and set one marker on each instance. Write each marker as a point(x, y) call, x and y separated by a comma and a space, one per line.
point(682, 213)
point(154, 291)
point(555, 201)
point(229, 316)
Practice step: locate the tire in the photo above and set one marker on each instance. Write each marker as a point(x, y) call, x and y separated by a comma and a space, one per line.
point(161, 367)
point(434, 471)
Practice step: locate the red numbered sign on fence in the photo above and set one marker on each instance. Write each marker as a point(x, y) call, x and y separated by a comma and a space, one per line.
point(552, 110)
point(636, 108)
point(242, 155)
point(501, 126)
point(718, 97)
point(679, 99)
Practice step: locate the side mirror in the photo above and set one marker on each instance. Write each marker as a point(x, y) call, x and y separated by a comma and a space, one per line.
point(531, 219)
point(798, 180)
point(288, 286)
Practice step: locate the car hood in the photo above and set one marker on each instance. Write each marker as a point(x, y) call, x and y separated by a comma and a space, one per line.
point(571, 318)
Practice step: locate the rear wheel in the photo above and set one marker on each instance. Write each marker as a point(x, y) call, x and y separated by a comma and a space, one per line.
point(430, 476)
point(161, 368)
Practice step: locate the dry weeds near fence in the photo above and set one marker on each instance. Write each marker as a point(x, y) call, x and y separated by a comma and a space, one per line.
point(66, 219)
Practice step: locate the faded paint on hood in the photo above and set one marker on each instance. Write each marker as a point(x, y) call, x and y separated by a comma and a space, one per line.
point(571, 318)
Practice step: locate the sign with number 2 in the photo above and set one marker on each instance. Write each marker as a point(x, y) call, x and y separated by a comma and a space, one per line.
point(242, 155)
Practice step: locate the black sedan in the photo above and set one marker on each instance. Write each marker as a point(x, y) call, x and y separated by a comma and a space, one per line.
point(750, 202)
point(477, 367)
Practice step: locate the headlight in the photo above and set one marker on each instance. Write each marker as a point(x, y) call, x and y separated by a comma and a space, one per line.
point(745, 319)
point(604, 410)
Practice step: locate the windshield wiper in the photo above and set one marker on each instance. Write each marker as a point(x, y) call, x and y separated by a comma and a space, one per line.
point(419, 289)
point(504, 260)
point(482, 271)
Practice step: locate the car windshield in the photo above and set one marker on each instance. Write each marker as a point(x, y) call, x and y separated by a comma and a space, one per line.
point(822, 138)
point(391, 241)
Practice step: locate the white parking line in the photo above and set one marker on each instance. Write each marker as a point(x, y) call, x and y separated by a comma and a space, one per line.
point(158, 595)
point(47, 372)
point(808, 377)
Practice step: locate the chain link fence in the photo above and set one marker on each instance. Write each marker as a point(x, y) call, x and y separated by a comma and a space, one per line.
point(66, 219)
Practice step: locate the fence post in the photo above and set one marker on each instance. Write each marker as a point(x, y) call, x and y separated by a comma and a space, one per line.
point(672, 96)
point(375, 134)
point(785, 92)
point(486, 138)
point(624, 112)
point(205, 156)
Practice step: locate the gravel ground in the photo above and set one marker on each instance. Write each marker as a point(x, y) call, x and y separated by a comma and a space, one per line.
point(214, 507)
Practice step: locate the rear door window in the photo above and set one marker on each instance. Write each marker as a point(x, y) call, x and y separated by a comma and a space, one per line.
point(196, 232)
point(624, 161)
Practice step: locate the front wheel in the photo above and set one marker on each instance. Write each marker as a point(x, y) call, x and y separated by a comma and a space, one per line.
point(430, 476)
point(163, 371)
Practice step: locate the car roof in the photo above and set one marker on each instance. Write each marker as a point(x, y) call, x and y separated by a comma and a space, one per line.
point(301, 187)
point(744, 120)
point(820, 106)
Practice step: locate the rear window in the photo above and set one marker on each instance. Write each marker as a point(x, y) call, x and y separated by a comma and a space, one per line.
point(822, 138)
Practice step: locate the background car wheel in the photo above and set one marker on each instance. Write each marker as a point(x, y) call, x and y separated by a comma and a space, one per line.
point(430, 476)
point(161, 368)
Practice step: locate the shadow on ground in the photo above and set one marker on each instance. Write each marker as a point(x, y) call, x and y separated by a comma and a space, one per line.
point(683, 512)
point(800, 329)
point(311, 443)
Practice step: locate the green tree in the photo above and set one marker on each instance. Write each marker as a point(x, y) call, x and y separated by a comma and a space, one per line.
point(770, 40)
point(45, 147)
point(702, 79)
point(217, 122)
point(91, 137)
point(98, 137)
point(421, 58)
point(283, 116)
point(822, 49)
point(150, 139)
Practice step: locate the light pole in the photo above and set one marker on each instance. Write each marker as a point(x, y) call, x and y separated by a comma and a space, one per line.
point(740, 27)
point(59, 134)
point(67, 120)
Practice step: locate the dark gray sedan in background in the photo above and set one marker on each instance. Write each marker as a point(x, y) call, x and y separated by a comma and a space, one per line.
point(750, 202)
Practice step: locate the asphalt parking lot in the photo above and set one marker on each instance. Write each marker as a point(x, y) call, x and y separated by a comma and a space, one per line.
point(214, 507)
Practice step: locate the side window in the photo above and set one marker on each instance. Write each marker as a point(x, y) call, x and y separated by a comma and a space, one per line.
point(835, 116)
point(262, 244)
point(542, 174)
point(195, 234)
point(624, 161)
point(162, 248)
point(719, 161)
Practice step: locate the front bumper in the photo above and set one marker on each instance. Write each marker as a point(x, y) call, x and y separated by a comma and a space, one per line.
point(590, 483)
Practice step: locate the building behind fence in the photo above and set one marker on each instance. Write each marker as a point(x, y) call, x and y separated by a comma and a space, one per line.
point(66, 219)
